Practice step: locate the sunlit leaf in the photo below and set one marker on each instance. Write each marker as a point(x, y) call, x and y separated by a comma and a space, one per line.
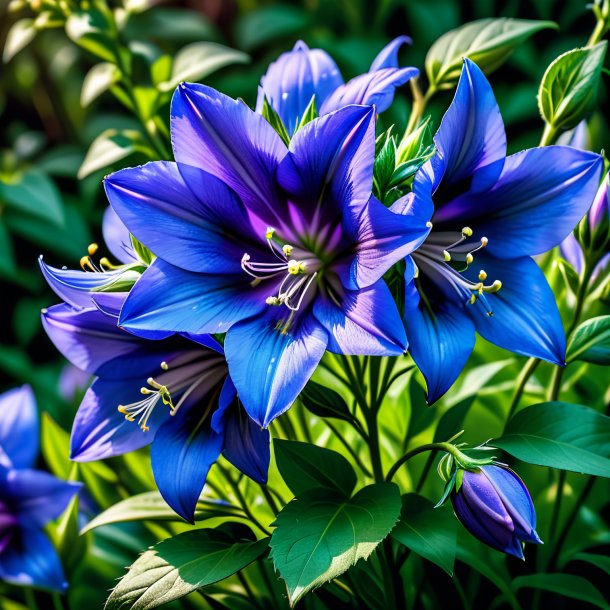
point(109, 147)
point(99, 79)
point(590, 342)
point(20, 35)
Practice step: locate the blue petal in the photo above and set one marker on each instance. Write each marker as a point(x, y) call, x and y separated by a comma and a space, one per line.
point(388, 56)
point(182, 214)
point(270, 364)
point(32, 561)
point(294, 78)
point(366, 323)
point(37, 497)
point(100, 431)
point(117, 238)
point(538, 199)
point(375, 88)
point(441, 336)
point(185, 448)
point(572, 251)
point(525, 317)
point(172, 299)
point(223, 137)
point(19, 426)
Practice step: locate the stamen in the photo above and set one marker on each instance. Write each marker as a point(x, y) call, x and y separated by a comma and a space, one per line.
point(446, 256)
point(164, 366)
point(467, 232)
point(269, 233)
point(482, 275)
point(287, 249)
point(144, 408)
point(92, 249)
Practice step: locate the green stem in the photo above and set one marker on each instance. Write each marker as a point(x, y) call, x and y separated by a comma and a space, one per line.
point(420, 101)
point(248, 589)
point(524, 376)
point(349, 448)
point(601, 28)
point(30, 598)
point(548, 135)
point(270, 500)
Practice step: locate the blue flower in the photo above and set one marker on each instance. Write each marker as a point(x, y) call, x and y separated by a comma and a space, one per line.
point(303, 73)
point(282, 249)
point(495, 506)
point(29, 498)
point(174, 393)
point(490, 214)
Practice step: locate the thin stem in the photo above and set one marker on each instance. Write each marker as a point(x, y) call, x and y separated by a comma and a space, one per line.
point(248, 589)
point(30, 598)
point(447, 447)
point(524, 376)
point(349, 448)
point(548, 135)
point(557, 506)
point(272, 503)
point(420, 101)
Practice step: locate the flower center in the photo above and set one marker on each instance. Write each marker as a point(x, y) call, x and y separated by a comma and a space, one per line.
point(299, 273)
point(446, 256)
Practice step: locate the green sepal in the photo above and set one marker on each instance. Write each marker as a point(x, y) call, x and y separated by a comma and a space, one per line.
point(142, 252)
point(273, 118)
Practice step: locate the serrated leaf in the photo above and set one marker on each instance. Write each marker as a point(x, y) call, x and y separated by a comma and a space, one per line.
point(19, 36)
point(568, 90)
point(430, 532)
point(304, 467)
point(109, 147)
point(324, 402)
point(178, 566)
point(487, 42)
point(152, 507)
point(590, 342)
point(99, 79)
point(200, 59)
point(319, 536)
point(560, 435)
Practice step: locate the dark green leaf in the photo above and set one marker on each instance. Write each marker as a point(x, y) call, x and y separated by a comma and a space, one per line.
point(428, 531)
point(7, 256)
point(599, 561)
point(560, 435)
point(178, 566)
point(591, 342)
point(324, 402)
point(319, 536)
point(305, 467)
point(569, 275)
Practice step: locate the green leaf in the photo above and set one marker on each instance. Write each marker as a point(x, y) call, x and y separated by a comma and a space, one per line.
point(178, 566)
point(599, 561)
point(309, 114)
point(150, 506)
point(19, 36)
point(109, 147)
point(92, 30)
point(591, 342)
point(55, 445)
point(99, 79)
point(568, 91)
point(324, 402)
point(487, 42)
point(200, 59)
point(34, 194)
point(306, 467)
point(319, 536)
point(274, 119)
point(568, 585)
point(569, 275)
point(428, 531)
point(142, 252)
point(560, 435)
point(7, 256)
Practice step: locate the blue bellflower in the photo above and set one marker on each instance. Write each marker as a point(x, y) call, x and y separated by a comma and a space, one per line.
point(495, 506)
point(174, 393)
point(299, 75)
point(490, 214)
point(29, 498)
point(281, 248)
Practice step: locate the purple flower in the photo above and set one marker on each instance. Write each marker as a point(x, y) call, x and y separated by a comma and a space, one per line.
point(282, 249)
point(490, 213)
point(303, 73)
point(599, 214)
point(29, 498)
point(495, 506)
point(174, 393)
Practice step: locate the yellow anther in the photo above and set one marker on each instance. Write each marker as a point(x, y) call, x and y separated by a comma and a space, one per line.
point(480, 288)
point(92, 249)
point(287, 250)
point(164, 365)
point(447, 256)
point(269, 233)
point(467, 232)
point(484, 241)
point(296, 267)
point(473, 298)
point(469, 258)
point(496, 286)
point(429, 225)
point(145, 391)
point(145, 428)
point(272, 301)
point(85, 262)
point(482, 275)
point(121, 409)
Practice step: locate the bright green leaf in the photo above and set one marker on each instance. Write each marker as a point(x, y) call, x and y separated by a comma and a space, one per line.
point(109, 147)
point(591, 342)
point(324, 402)
point(99, 79)
point(55, 445)
point(20, 35)
point(319, 536)
point(92, 30)
point(274, 119)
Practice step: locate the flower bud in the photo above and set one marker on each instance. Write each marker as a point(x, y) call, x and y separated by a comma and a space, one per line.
point(494, 505)
point(599, 215)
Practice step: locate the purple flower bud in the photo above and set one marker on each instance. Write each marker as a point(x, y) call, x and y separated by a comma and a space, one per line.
point(494, 505)
point(600, 210)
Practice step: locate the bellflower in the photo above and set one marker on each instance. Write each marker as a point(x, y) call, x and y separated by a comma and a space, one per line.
point(490, 214)
point(29, 498)
point(299, 75)
point(282, 249)
point(495, 506)
point(174, 393)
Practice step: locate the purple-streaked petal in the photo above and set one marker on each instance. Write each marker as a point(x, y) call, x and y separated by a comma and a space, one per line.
point(19, 426)
point(294, 78)
point(168, 298)
point(366, 323)
point(576, 138)
point(537, 201)
point(375, 88)
point(601, 267)
point(117, 238)
point(571, 250)
point(601, 204)
point(182, 214)
point(524, 316)
point(271, 362)
point(224, 137)
point(388, 56)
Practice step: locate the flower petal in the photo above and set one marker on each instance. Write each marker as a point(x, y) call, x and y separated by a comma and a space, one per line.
point(117, 238)
point(223, 137)
point(294, 78)
point(571, 250)
point(19, 426)
point(269, 364)
point(169, 298)
point(388, 56)
point(366, 324)
point(525, 317)
point(375, 88)
point(182, 214)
